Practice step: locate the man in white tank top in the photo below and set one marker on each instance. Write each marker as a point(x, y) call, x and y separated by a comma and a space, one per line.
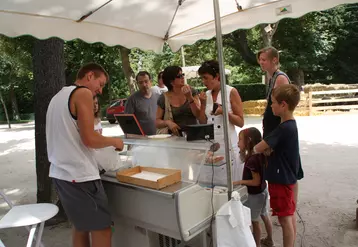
point(71, 139)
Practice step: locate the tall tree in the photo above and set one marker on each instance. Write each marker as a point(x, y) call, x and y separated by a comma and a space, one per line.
point(239, 41)
point(127, 69)
point(15, 63)
point(342, 63)
point(5, 110)
point(49, 76)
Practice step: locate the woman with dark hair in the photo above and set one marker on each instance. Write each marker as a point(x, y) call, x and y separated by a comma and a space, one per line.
point(97, 117)
point(178, 107)
point(211, 110)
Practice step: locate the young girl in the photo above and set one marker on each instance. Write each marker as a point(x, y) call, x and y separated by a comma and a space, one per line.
point(256, 185)
point(97, 119)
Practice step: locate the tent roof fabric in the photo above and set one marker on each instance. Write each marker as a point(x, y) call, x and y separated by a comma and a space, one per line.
point(144, 24)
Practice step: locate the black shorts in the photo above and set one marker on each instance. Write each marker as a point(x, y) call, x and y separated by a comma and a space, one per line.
point(85, 204)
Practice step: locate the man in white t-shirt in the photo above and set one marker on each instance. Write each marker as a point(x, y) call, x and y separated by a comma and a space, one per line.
point(71, 140)
point(161, 88)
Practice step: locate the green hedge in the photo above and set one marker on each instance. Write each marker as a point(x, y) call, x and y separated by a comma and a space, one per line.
point(251, 91)
point(247, 91)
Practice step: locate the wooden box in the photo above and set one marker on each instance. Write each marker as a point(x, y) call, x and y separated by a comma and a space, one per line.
point(166, 177)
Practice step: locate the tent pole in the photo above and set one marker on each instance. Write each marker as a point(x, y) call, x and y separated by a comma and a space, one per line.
point(219, 44)
point(183, 61)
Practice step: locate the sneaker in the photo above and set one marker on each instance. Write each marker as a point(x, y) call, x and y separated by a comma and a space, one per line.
point(267, 243)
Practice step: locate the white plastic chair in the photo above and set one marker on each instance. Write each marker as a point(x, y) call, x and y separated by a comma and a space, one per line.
point(30, 216)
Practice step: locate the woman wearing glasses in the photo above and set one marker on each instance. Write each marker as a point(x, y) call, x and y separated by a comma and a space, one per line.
point(178, 107)
point(211, 111)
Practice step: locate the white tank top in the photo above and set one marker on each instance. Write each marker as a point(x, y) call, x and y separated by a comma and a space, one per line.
point(70, 159)
point(218, 120)
point(98, 127)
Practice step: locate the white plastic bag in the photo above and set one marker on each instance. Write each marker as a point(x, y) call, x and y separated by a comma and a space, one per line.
point(107, 159)
point(233, 222)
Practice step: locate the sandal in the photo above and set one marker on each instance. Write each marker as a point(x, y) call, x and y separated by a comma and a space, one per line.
point(266, 242)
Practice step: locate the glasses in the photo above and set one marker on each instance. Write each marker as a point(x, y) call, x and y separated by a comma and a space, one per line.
point(180, 76)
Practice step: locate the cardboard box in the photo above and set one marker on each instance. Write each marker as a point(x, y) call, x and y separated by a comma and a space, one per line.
point(167, 177)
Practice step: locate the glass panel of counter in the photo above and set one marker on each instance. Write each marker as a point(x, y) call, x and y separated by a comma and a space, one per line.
point(194, 159)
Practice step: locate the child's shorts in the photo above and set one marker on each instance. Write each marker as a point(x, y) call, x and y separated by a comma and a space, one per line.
point(257, 204)
point(282, 199)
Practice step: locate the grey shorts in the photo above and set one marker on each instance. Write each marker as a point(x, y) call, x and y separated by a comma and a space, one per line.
point(258, 205)
point(85, 204)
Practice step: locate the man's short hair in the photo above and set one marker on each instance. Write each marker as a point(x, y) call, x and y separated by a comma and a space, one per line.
point(143, 73)
point(271, 51)
point(288, 93)
point(95, 68)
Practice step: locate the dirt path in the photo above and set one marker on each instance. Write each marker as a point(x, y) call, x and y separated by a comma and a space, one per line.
point(327, 196)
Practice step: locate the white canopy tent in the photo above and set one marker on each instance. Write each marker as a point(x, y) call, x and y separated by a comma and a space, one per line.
point(148, 24)
point(145, 24)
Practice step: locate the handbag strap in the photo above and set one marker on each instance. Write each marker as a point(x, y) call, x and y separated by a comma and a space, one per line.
point(168, 115)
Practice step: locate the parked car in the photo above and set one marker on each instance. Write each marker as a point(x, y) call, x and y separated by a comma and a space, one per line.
point(115, 108)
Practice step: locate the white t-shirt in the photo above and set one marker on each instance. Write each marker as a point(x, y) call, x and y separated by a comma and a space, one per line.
point(70, 159)
point(98, 127)
point(159, 90)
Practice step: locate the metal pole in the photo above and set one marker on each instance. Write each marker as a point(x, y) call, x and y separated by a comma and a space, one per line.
point(182, 56)
point(219, 44)
point(183, 61)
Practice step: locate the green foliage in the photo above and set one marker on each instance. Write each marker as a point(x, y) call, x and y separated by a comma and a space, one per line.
point(251, 91)
point(16, 71)
point(342, 61)
point(78, 53)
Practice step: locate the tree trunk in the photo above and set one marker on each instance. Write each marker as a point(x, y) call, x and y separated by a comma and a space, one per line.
point(240, 43)
point(49, 77)
point(15, 109)
point(267, 35)
point(5, 110)
point(297, 76)
point(128, 72)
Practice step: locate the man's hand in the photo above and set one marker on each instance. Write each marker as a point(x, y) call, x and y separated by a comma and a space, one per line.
point(174, 128)
point(186, 89)
point(118, 144)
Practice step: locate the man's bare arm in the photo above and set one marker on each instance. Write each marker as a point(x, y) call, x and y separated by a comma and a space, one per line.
point(82, 100)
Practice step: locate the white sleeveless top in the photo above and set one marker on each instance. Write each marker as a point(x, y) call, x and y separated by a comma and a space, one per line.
point(98, 127)
point(218, 122)
point(70, 159)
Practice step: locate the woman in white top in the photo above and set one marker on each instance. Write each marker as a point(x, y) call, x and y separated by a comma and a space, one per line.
point(97, 117)
point(210, 75)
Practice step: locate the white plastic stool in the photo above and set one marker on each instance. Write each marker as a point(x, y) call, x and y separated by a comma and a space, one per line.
point(28, 215)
